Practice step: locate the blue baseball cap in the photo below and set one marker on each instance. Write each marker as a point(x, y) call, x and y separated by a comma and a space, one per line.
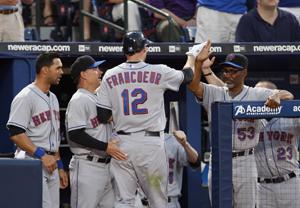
point(83, 63)
point(235, 60)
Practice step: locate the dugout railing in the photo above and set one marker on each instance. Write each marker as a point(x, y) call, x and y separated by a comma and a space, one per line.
point(221, 134)
point(124, 29)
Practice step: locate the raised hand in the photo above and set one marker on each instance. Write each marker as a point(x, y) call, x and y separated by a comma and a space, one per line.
point(204, 53)
point(208, 63)
point(181, 137)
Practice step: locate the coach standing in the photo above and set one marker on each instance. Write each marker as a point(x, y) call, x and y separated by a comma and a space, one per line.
point(90, 177)
point(235, 69)
point(34, 125)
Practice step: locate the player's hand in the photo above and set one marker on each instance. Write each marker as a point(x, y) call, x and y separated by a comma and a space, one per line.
point(195, 50)
point(114, 151)
point(181, 137)
point(11, 2)
point(273, 101)
point(64, 179)
point(49, 162)
point(206, 65)
point(204, 53)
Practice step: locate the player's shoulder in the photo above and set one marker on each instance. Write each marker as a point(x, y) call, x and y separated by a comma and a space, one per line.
point(260, 90)
point(170, 140)
point(212, 87)
point(168, 136)
point(78, 96)
point(53, 95)
point(25, 94)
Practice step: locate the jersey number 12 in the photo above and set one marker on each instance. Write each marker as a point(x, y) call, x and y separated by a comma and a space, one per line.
point(139, 97)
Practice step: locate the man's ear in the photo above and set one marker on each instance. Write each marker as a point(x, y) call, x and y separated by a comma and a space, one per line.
point(44, 69)
point(82, 75)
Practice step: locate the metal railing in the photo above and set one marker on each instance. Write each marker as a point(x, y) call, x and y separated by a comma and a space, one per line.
point(124, 29)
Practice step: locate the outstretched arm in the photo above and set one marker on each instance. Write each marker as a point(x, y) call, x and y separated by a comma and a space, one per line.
point(195, 86)
point(192, 154)
point(209, 75)
point(273, 101)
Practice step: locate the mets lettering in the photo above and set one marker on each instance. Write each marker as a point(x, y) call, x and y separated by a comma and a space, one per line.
point(95, 122)
point(44, 116)
point(134, 77)
point(277, 136)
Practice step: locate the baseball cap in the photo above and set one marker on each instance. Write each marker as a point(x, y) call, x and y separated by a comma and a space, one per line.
point(235, 60)
point(83, 63)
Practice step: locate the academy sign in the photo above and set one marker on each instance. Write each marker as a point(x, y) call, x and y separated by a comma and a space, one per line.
point(256, 110)
point(253, 109)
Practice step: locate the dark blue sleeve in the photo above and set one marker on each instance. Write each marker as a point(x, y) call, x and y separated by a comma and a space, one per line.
point(296, 26)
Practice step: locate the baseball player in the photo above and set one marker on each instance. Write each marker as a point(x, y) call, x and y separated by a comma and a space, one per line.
point(90, 178)
point(34, 125)
point(132, 93)
point(179, 154)
point(276, 159)
point(245, 132)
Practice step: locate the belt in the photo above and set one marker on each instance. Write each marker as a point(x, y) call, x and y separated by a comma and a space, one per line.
point(172, 198)
point(278, 179)
point(50, 153)
point(9, 11)
point(100, 160)
point(147, 133)
point(243, 153)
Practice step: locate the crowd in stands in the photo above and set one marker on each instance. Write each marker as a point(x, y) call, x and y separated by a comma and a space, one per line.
point(192, 20)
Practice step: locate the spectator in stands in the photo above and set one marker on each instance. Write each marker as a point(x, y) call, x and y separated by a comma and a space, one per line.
point(47, 13)
point(183, 13)
point(11, 21)
point(268, 23)
point(217, 19)
point(134, 19)
point(292, 6)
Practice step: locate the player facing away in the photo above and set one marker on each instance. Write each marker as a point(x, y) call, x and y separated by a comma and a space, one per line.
point(34, 125)
point(132, 93)
point(277, 162)
point(180, 154)
point(90, 178)
point(245, 132)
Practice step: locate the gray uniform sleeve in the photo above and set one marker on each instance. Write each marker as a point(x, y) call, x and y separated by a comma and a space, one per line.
point(212, 94)
point(20, 112)
point(76, 115)
point(182, 156)
point(172, 78)
point(103, 95)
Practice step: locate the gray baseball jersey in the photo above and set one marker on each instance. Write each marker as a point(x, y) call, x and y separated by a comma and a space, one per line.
point(177, 159)
point(276, 156)
point(90, 180)
point(276, 152)
point(38, 114)
point(82, 113)
point(134, 93)
point(245, 133)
